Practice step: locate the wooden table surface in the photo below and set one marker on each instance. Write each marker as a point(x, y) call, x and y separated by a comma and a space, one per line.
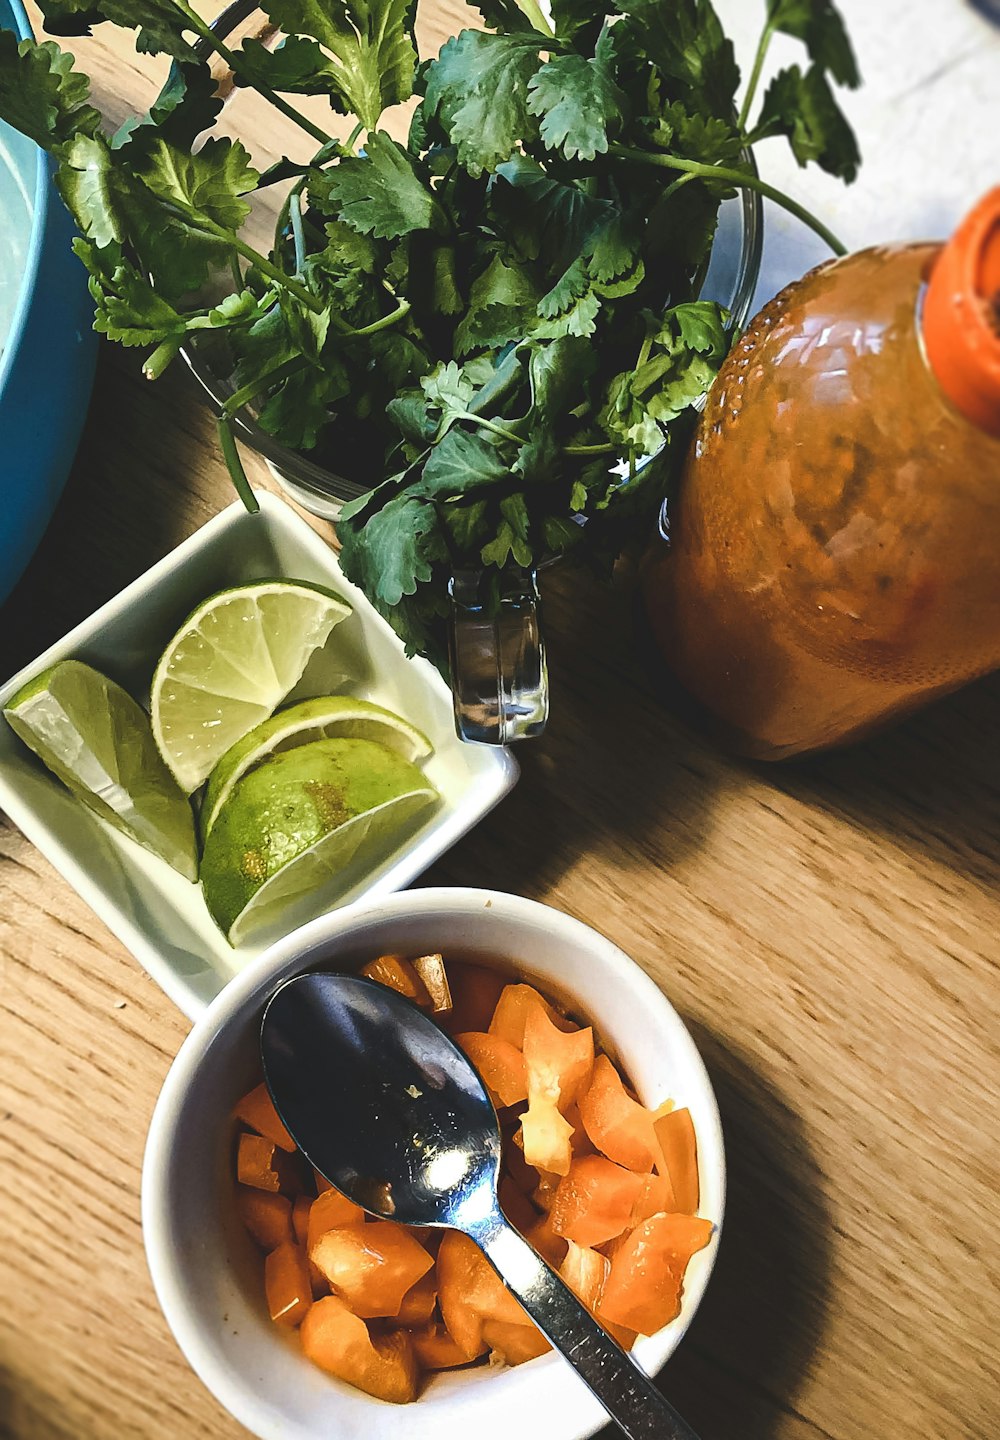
point(828, 932)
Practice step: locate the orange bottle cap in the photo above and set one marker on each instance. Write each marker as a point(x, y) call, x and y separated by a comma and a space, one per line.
point(961, 316)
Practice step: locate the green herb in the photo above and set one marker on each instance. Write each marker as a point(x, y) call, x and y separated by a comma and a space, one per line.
point(499, 320)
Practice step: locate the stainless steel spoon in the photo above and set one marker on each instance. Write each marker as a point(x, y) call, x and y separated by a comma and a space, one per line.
point(384, 1105)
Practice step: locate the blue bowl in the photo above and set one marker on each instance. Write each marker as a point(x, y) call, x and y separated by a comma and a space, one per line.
point(47, 344)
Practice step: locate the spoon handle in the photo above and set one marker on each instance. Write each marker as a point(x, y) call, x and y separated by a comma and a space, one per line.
point(625, 1391)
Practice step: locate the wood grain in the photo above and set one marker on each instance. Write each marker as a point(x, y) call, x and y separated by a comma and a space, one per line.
point(829, 932)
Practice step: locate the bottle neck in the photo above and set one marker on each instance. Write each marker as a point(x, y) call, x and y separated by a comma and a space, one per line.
point(960, 316)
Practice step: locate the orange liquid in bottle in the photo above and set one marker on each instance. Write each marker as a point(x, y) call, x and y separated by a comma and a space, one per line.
point(834, 559)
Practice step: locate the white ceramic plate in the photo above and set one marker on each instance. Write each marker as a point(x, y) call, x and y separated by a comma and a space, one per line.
point(157, 914)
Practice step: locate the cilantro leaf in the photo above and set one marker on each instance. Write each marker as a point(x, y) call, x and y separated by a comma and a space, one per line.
point(708, 138)
point(803, 108)
point(381, 193)
point(687, 44)
point(478, 90)
point(160, 24)
point(578, 101)
point(297, 66)
point(542, 218)
point(41, 94)
point(207, 186)
point(128, 309)
point(393, 551)
point(512, 540)
point(501, 307)
point(93, 188)
point(819, 24)
point(579, 318)
point(186, 106)
point(460, 463)
point(373, 60)
point(301, 404)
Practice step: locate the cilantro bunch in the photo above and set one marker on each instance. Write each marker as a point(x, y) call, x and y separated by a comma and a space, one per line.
point(491, 325)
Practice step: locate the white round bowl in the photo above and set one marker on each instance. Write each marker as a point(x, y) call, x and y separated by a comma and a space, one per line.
point(208, 1273)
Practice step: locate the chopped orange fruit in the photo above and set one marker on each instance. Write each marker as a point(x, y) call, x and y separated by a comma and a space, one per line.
point(419, 1302)
point(643, 1288)
point(398, 974)
point(267, 1216)
point(585, 1272)
point(434, 976)
point(558, 1065)
point(256, 1111)
point(500, 1064)
point(340, 1343)
point(264, 1165)
point(656, 1196)
point(516, 1205)
point(371, 1266)
point(619, 1126)
point(514, 1344)
point(595, 1201)
point(322, 1183)
point(675, 1136)
point(550, 1245)
point(287, 1284)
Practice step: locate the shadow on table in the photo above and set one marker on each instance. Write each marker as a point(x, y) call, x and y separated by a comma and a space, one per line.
point(137, 488)
point(739, 1368)
point(931, 784)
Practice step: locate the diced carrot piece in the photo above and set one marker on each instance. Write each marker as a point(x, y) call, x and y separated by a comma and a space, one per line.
point(500, 1065)
point(264, 1165)
point(580, 1141)
point(516, 1002)
point(595, 1201)
point(300, 1218)
point(475, 991)
point(371, 1266)
point(340, 1343)
point(470, 1292)
point(398, 974)
point(546, 1136)
point(436, 1350)
point(558, 1063)
point(329, 1211)
point(656, 1197)
point(550, 1246)
point(287, 1284)
point(516, 1206)
point(544, 1192)
point(431, 970)
point(643, 1288)
point(676, 1138)
point(585, 1272)
point(514, 1344)
point(267, 1216)
point(256, 1111)
point(619, 1126)
point(419, 1302)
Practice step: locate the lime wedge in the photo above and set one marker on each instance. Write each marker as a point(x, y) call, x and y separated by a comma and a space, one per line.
point(230, 664)
point(95, 738)
point(325, 717)
point(290, 827)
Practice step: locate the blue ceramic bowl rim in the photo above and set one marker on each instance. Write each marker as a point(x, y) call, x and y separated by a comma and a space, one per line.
point(42, 199)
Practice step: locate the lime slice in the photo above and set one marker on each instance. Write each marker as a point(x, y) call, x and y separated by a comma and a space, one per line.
point(289, 828)
point(230, 664)
point(326, 717)
point(95, 738)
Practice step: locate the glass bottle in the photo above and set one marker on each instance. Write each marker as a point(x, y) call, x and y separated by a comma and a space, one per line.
point(833, 559)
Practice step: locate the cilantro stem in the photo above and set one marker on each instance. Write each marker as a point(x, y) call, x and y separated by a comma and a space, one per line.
point(763, 45)
point(255, 387)
point(403, 308)
point(209, 36)
point(234, 465)
point(265, 266)
point(590, 449)
point(489, 425)
point(533, 12)
point(733, 177)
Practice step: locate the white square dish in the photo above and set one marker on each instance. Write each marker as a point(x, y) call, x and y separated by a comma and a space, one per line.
point(156, 913)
